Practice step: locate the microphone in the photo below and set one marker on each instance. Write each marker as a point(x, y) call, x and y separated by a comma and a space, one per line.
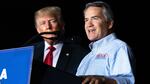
point(60, 37)
point(55, 32)
point(39, 35)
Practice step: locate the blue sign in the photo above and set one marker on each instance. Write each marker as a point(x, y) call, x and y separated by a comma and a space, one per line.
point(15, 65)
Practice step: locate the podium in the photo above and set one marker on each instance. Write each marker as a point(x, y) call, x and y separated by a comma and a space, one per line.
point(44, 74)
point(17, 66)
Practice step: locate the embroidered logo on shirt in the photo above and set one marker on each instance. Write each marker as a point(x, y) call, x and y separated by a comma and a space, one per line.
point(101, 55)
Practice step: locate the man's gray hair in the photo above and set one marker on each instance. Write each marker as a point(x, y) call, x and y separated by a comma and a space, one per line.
point(106, 9)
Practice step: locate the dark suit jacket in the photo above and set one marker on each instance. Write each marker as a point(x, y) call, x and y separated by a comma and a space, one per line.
point(69, 59)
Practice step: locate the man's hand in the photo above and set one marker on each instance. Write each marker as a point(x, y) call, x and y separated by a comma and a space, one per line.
point(97, 80)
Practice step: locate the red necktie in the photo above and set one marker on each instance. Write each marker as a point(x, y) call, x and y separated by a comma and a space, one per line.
point(49, 56)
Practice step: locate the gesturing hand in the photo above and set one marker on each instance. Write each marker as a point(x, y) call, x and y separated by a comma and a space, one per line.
point(97, 80)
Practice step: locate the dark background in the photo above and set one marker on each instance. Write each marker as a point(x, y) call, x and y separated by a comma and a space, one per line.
point(17, 20)
point(17, 24)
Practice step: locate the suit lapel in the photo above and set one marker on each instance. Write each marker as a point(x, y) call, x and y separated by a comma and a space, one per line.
point(64, 57)
point(39, 51)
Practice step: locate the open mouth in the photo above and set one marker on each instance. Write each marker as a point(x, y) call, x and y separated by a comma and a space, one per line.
point(91, 30)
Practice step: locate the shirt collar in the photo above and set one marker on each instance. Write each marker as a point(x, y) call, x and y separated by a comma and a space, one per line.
point(55, 45)
point(102, 41)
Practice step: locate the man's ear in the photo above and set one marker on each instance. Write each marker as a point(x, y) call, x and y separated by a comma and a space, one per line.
point(110, 24)
point(37, 29)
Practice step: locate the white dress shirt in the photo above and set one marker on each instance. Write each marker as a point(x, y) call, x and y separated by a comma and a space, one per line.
point(56, 52)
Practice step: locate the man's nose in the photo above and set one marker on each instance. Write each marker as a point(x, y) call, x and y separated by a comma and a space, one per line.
point(48, 25)
point(89, 23)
